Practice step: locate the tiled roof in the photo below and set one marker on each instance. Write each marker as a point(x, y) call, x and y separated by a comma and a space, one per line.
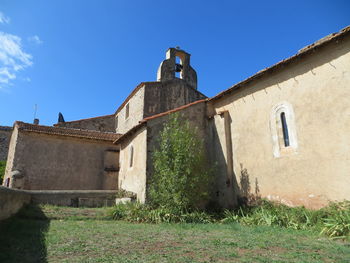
point(173, 110)
point(60, 131)
point(5, 128)
point(87, 119)
point(302, 52)
point(144, 121)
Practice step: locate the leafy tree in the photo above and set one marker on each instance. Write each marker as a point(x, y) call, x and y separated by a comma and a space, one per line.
point(181, 175)
point(2, 170)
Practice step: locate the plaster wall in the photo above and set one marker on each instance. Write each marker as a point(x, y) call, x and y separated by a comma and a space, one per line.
point(133, 177)
point(135, 104)
point(49, 162)
point(316, 169)
point(103, 124)
point(5, 136)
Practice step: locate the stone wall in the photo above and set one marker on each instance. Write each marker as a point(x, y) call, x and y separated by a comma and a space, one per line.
point(169, 95)
point(247, 134)
point(135, 107)
point(49, 162)
point(153, 98)
point(103, 124)
point(11, 201)
point(5, 136)
point(87, 198)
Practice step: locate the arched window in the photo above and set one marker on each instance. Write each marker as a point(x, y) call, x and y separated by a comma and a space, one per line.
point(283, 130)
point(178, 67)
point(131, 156)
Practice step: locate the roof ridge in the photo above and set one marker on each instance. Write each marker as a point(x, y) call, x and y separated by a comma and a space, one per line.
point(70, 132)
point(306, 50)
point(145, 120)
point(56, 124)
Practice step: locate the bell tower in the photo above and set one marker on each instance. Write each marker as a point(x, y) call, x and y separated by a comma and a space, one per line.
point(177, 61)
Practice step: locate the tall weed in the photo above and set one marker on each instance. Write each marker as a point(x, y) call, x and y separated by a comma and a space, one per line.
point(333, 221)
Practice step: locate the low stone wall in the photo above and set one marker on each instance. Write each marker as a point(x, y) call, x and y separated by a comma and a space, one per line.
point(11, 201)
point(87, 198)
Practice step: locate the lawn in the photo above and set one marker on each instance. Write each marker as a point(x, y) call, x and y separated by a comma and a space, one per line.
point(54, 234)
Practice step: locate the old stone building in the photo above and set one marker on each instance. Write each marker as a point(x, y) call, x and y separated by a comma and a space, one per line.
point(5, 135)
point(282, 134)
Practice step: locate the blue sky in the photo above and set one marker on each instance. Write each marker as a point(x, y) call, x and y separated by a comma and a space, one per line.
point(84, 57)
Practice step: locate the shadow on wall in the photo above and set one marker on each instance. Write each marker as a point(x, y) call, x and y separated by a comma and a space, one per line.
point(22, 237)
point(225, 188)
point(246, 196)
point(227, 192)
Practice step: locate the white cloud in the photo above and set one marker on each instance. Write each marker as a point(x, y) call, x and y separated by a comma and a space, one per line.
point(4, 19)
point(35, 39)
point(12, 58)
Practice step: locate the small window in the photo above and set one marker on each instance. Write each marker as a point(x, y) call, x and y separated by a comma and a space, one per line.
point(285, 130)
point(7, 182)
point(127, 111)
point(131, 156)
point(116, 122)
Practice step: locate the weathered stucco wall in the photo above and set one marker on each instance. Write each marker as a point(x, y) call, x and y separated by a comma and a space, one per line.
point(132, 174)
point(49, 162)
point(135, 105)
point(11, 201)
point(5, 136)
point(103, 123)
point(315, 93)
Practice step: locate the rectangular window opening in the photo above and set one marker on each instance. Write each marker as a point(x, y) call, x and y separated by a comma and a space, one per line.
point(127, 111)
point(285, 129)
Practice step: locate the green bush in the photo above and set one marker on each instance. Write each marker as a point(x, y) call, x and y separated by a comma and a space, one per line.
point(337, 222)
point(181, 175)
point(2, 170)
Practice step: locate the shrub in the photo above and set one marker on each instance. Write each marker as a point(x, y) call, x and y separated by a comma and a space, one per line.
point(181, 175)
point(2, 170)
point(141, 213)
point(337, 223)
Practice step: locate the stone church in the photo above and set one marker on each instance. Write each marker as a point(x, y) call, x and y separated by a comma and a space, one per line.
point(282, 134)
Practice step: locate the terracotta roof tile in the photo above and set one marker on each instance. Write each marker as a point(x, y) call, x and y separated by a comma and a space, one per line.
point(173, 110)
point(87, 119)
point(5, 128)
point(69, 132)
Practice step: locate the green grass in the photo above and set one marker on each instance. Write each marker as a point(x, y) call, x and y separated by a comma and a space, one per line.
point(52, 234)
